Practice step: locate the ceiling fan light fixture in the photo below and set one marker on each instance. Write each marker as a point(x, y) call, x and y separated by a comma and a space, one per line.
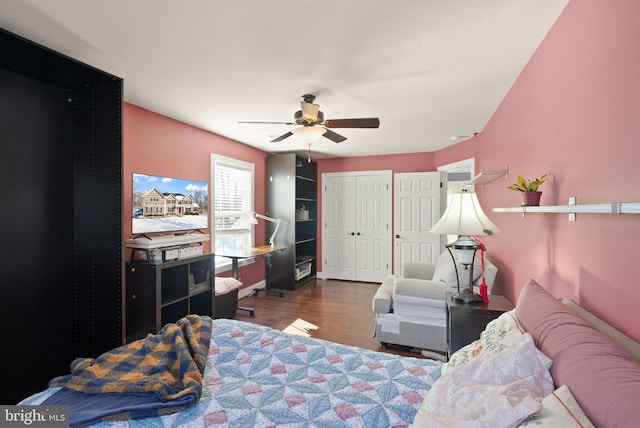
point(311, 134)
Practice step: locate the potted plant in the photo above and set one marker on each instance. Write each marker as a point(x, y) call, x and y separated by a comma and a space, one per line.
point(529, 188)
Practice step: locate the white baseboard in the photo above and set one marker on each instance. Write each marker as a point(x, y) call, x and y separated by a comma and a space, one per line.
point(248, 291)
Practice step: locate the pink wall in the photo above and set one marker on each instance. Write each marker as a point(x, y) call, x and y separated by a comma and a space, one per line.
point(409, 162)
point(573, 113)
point(158, 145)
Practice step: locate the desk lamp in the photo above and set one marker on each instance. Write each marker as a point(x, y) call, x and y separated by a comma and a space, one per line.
point(253, 220)
point(464, 217)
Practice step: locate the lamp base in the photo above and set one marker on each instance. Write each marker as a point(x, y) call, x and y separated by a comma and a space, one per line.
point(467, 296)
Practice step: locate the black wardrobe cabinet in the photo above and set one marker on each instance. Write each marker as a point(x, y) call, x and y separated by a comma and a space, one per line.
point(60, 223)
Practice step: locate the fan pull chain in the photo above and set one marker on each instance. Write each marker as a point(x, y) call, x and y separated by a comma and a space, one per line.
point(309, 151)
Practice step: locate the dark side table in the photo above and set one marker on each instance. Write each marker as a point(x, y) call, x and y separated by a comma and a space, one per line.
point(465, 321)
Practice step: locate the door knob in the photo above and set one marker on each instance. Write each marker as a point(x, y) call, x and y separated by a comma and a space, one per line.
point(397, 236)
point(358, 233)
point(353, 233)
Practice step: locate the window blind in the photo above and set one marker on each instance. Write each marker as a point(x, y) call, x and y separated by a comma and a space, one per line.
point(233, 193)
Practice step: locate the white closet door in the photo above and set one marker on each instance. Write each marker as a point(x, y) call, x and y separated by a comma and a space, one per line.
point(356, 232)
point(339, 231)
point(373, 222)
point(419, 201)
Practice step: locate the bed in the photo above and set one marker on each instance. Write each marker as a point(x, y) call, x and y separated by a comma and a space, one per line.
point(258, 376)
point(539, 365)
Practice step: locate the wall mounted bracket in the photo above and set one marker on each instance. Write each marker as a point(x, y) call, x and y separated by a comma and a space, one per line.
point(486, 177)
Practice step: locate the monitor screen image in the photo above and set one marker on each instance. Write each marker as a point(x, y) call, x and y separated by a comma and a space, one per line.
point(166, 204)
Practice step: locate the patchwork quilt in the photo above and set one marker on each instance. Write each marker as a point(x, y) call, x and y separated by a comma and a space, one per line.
point(258, 376)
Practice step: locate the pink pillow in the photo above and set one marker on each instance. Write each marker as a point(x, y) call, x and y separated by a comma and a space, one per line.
point(604, 378)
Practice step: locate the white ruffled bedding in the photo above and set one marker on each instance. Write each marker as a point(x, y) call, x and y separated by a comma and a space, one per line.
point(500, 390)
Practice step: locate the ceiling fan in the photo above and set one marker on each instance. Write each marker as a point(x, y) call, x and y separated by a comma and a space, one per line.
point(313, 125)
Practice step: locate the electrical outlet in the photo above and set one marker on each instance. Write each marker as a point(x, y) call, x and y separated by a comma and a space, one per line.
point(572, 201)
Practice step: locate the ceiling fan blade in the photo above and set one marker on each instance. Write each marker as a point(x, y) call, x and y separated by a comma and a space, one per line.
point(282, 137)
point(369, 122)
point(269, 123)
point(336, 138)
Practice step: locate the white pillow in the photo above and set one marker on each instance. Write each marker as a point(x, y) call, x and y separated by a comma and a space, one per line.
point(559, 409)
point(499, 334)
point(224, 285)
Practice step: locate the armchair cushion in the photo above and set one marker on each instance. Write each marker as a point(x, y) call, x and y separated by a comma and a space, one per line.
point(417, 270)
point(446, 272)
point(421, 288)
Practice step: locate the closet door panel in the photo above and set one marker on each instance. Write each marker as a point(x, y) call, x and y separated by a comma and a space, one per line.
point(373, 199)
point(339, 231)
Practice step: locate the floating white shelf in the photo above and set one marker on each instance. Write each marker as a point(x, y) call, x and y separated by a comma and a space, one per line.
point(608, 208)
point(572, 209)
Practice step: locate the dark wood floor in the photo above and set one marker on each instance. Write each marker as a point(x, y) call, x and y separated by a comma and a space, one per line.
point(339, 311)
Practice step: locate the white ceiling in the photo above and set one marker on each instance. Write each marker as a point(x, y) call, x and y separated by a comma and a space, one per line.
point(429, 69)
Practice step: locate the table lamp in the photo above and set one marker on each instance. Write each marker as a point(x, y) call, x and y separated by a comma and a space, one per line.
point(464, 217)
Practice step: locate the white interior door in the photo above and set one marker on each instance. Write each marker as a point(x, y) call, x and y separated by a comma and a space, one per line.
point(373, 223)
point(420, 198)
point(356, 232)
point(339, 230)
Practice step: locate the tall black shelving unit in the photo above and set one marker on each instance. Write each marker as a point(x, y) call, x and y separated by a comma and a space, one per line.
point(292, 186)
point(61, 225)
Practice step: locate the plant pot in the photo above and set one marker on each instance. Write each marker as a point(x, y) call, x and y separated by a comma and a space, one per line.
point(531, 199)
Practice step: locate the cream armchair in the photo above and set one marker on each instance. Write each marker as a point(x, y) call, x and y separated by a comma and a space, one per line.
point(410, 308)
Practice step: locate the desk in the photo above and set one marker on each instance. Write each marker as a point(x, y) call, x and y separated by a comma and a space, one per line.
point(262, 250)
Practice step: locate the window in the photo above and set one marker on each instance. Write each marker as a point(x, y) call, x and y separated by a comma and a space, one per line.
point(232, 183)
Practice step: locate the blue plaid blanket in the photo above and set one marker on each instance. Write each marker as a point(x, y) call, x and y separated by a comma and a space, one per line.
point(159, 374)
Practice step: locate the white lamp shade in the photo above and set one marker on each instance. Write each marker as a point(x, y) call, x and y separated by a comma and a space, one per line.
point(464, 216)
point(311, 134)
